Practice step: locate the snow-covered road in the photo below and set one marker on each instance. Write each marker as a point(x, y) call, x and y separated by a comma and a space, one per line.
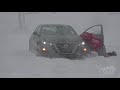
point(17, 61)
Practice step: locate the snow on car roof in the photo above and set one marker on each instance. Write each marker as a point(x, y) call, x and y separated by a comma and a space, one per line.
point(54, 25)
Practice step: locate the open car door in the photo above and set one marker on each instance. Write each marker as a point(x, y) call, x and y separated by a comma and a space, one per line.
point(94, 37)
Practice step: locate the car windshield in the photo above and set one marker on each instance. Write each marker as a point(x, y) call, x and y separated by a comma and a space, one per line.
point(57, 30)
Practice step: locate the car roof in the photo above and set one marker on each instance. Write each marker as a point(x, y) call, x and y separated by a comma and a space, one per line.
point(53, 25)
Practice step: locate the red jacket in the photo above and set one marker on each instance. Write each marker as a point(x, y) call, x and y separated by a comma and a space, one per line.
point(94, 42)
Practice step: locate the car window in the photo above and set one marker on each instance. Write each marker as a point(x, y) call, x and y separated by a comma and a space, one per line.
point(57, 30)
point(95, 30)
point(48, 30)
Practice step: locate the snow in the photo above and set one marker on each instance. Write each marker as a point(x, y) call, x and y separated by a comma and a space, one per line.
point(17, 61)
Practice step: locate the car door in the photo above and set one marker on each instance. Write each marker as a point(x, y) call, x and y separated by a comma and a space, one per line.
point(94, 37)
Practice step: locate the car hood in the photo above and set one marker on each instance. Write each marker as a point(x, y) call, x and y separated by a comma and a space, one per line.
point(62, 39)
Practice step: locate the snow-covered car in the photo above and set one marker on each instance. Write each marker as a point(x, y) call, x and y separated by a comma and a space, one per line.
point(57, 40)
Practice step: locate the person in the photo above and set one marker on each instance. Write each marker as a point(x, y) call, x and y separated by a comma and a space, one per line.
point(96, 44)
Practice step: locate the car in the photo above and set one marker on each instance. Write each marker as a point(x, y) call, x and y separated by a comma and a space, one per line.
point(57, 41)
point(62, 41)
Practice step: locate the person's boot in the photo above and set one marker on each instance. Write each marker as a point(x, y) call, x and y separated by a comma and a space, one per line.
point(114, 53)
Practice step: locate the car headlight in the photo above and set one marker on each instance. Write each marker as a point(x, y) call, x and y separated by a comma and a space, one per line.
point(85, 49)
point(82, 43)
point(44, 42)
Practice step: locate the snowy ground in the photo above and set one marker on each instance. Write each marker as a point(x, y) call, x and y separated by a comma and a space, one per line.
point(17, 61)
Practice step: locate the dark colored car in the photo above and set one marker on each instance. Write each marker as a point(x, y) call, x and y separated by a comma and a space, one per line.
point(57, 40)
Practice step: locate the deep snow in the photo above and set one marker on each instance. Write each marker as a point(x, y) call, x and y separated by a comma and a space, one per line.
point(17, 61)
